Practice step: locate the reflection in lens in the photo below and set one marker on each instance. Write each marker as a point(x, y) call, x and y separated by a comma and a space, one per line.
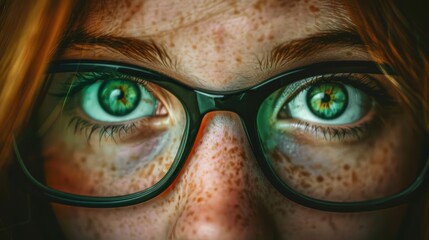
point(321, 165)
point(107, 137)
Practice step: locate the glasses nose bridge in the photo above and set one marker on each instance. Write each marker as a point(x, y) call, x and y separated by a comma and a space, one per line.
point(209, 102)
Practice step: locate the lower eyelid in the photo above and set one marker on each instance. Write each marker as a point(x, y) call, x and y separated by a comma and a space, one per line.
point(319, 134)
point(149, 128)
point(128, 130)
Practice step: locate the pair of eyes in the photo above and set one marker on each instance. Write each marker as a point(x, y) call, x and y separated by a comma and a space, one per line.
point(324, 100)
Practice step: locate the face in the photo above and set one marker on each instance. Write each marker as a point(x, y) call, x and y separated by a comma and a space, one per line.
point(221, 192)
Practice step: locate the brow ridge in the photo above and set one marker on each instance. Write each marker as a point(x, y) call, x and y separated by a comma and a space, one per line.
point(306, 47)
point(145, 50)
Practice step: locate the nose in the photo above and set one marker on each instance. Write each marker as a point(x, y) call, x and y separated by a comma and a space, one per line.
point(220, 188)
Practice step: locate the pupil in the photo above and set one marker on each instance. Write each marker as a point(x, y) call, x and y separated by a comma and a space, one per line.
point(326, 98)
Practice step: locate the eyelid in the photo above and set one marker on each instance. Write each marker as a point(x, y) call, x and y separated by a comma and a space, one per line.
point(364, 82)
point(85, 79)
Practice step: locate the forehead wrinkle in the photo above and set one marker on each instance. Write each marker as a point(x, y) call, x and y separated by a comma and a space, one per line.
point(126, 19)
point(220, 7)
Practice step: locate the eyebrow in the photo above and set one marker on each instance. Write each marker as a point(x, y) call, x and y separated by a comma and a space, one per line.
point(309, 46)
point(140, 49)
point(149, 51)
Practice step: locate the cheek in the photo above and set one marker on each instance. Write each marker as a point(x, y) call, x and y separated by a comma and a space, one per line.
point(297, 222)
point(105, 169)
point(346, 174)
point(147, 221)
point(375, 167)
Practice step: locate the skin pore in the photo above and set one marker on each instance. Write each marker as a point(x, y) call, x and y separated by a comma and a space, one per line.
point(221, 193)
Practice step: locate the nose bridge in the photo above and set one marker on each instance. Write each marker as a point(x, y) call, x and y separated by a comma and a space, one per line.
point(221, 179)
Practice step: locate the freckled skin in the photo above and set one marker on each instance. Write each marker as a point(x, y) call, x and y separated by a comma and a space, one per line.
point(356, 171)
point(131, 161)
point(221, 193)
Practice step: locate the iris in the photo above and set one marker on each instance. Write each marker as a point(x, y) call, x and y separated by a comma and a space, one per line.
point(119, 97)
point(327, 100)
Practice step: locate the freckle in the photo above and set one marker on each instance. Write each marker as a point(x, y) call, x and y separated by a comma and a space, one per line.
point(354, 177)
point(113, 167)
point(236, 12)
point(314, 8)
point(270, 37)
point(346, 167)
point(380, 179)
point(199, 199)
point(209, 195)
point(260, 38)
point(194, 47)
point(148, 172)
point(191, 213)
point(328, 191)
point(319, 179)
point(385, 150)
point(258, 5)
point(167, 165)
point(305, 173)
point(238, 59)
point(332, 224)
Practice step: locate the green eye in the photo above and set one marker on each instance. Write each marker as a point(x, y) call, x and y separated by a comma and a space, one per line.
point(119, 97)
point(117, 100)
point(327, 100)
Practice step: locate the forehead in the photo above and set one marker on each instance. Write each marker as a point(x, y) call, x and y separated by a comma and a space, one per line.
point(153, 17)
point(212, 42)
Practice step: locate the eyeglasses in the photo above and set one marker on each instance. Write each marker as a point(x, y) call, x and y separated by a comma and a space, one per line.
point(106, 134)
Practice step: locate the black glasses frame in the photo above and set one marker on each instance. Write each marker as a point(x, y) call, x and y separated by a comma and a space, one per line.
point(197, 103)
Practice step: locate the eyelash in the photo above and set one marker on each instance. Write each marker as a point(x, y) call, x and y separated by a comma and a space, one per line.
point(364, 83)
point(81, 125)
point(87, 79)
point(332, 134)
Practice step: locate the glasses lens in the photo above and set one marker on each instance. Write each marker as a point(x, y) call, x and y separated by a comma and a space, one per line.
point(333, 138)
point(104, 134)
